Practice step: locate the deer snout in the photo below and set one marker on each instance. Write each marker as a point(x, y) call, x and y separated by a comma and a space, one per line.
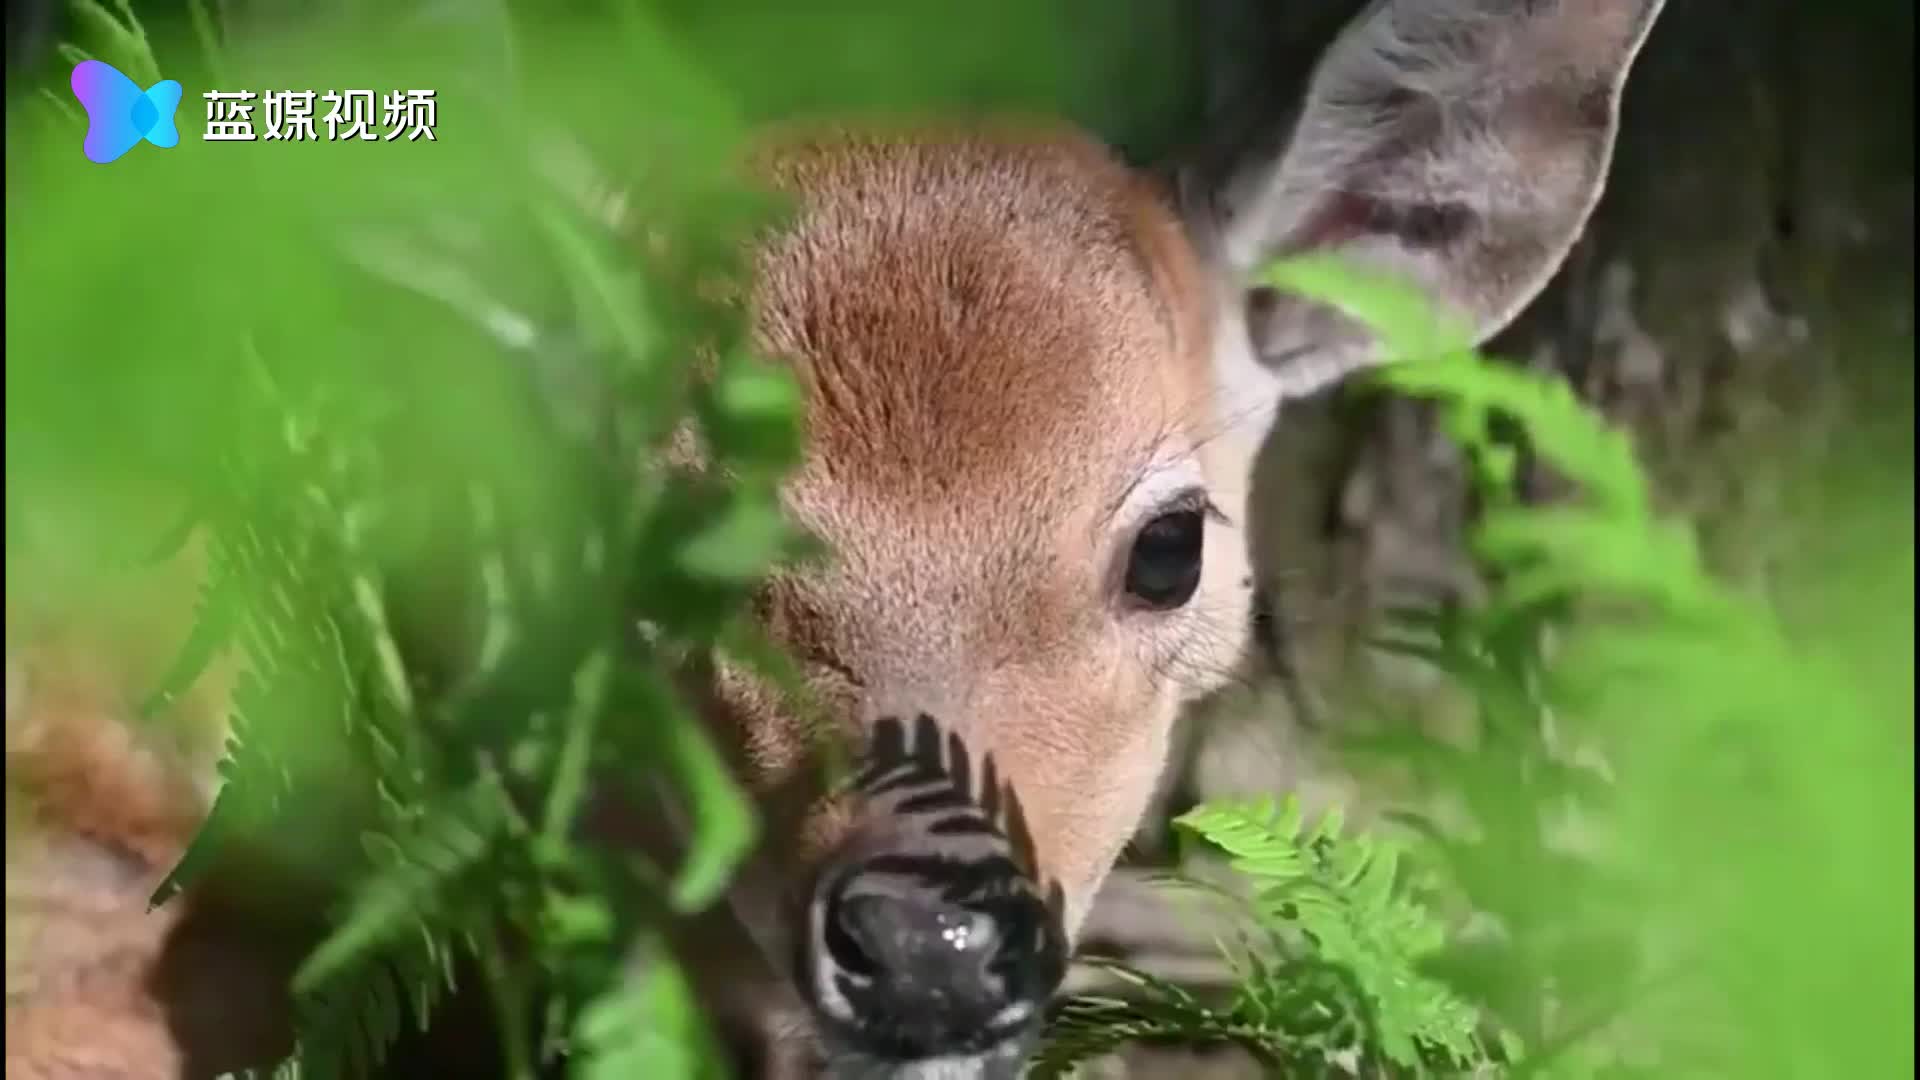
point(928, 935)
point(907, 976)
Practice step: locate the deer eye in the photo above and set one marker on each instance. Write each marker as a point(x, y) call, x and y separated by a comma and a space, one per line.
point(1163, 569)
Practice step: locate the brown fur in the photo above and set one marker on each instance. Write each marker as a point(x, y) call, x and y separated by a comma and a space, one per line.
point(918, 273)
point(1003, 320)
point(97, 811)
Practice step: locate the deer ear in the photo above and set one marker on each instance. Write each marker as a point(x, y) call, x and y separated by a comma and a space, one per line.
point(1459, 144)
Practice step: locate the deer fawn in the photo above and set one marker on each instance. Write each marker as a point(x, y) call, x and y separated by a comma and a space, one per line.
point(1035, 382)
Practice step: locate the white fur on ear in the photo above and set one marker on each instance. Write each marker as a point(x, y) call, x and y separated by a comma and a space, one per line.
point(1461, 144)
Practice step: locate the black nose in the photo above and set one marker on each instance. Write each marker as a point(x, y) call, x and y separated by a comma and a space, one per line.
point(911, 974)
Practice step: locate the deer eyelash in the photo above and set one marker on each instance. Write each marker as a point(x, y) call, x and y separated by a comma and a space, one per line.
point(1189, 500)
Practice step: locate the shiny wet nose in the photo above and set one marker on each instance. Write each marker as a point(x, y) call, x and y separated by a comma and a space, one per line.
point(923, 977)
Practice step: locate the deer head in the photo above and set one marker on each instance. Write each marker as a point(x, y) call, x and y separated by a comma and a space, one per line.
point(1035, 384)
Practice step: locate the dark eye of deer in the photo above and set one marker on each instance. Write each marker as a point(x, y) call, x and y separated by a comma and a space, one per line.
point(1163, 569)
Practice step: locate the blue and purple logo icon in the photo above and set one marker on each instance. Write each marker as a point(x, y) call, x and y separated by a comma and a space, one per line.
point(120, 114)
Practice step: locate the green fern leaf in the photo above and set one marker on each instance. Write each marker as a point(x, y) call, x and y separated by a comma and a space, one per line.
point(1347, 897)
point(413, 880)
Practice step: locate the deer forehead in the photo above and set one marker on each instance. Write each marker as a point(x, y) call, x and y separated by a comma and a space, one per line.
point(996, 336)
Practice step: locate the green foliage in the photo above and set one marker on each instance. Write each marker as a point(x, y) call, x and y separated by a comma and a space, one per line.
point(460, 585)
point(652, 1026)
point(1714, 759)
point(1350, 902)
point(412, 402)
point(1333, 980)
point(1737, 755)
point(1298, 1018)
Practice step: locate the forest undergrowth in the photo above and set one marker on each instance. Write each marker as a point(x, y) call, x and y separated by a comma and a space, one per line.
point(411, 401)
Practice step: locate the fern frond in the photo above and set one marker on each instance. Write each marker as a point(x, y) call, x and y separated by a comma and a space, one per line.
point(415, 879)
point(1301, 1019)
point(651, 1025)
point(722, 824)
point(214, 620)
point(392, 954)
point(1347, 897)
point(347, 1027)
